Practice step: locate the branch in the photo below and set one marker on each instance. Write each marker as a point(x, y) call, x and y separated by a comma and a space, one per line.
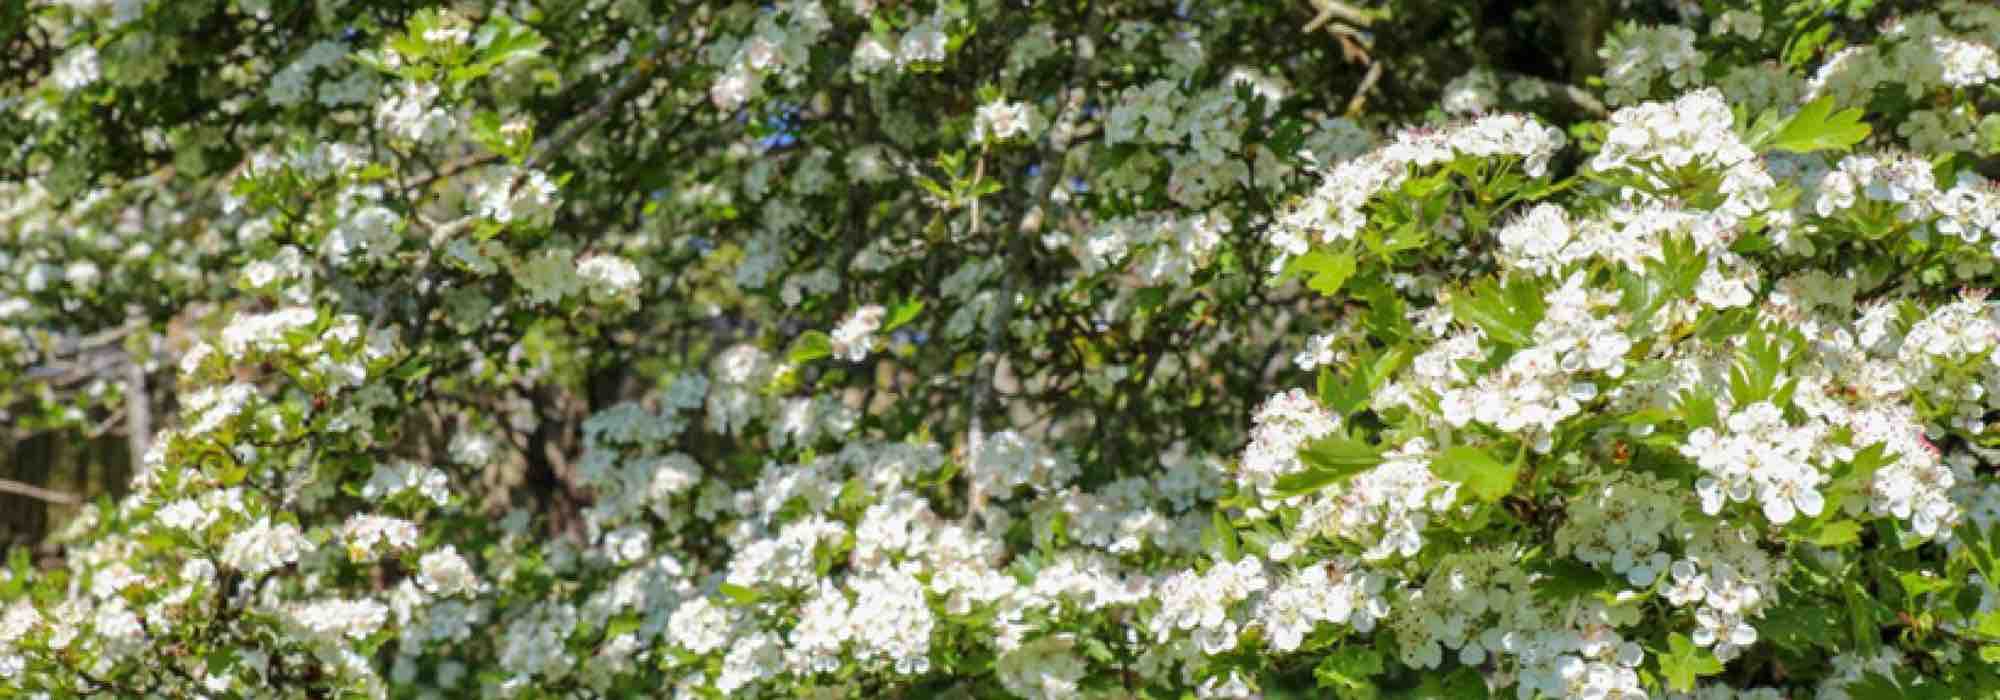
point(627, 87)
point(1582, 99)
point(1330, 9)
point(138, 415)
point(1576, 96)
point(988, 365)
point(73, 345)
point(1354, 104)
point(38, 493)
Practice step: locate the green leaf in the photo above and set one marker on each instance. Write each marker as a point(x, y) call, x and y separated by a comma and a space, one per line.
point(739, 595)
point(1564, 580)
point(1988, 625)
point(1680, 266)
point(620, 625)
point(1340, 395)
point(1861, 616)
point(1684, 662)
point(1754, 377)
point(1837, 533)
point(1386, 320)
point(1870, 459)
point(1801, 625)
point(904, 313)
point(1484, 477)
point(811, 345)
point(220, 660)
point(1329, 460)
point(1507, 314)
point(1806, 44)
point(1220, 538)
point(1875, 686)
point(1349, 669)
point(1816, 127)
point(1386, 366)
point(1325, 272)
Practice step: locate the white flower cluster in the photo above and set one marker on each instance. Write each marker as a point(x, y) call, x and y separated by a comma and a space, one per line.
point(444, 573)
point(1385, 508)
point(1045, 669)
point(77, 69)
point(412, 113)
point(1284, 424)
point(263, 546)
point(1729, 582)
point(1337, 209)
point(1759, 455)
point(354, 619)
point(1748, 24)
point(855, 336)
point(1008, 460)
point(1900, 180)
point(1539, 386)
point(1475, 92)
point(508, 195)
point(1658, 138)
point(1920, 54)
point(364, 533)
point(1635, 57)
point(1761, 86)
point(1624, 525)
point(774, 48)
point(1170, 248)
point(608, 277)
point(20, 619)
point(1201, 603)
point(1001, 120)
point(1338, 592)
point(1129, 514)
point(1202, 133)
point(395, 478)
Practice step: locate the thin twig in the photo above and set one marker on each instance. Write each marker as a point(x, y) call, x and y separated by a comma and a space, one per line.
point(1330, 9)
point(38, 493)
point(1360, 98)
point(641, 75)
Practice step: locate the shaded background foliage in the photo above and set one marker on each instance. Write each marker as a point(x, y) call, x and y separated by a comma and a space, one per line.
point(642, 153)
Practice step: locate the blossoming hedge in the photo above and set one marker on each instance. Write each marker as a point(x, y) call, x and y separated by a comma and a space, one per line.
point(1039, 350)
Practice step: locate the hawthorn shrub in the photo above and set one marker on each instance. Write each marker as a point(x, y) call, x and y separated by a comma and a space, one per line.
point(1040, 350)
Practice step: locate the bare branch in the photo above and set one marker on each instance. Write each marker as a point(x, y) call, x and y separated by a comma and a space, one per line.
point(138, 415)
point(641, 75)
point(38, 493)
point(1335, 9)
point(1360, 98)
